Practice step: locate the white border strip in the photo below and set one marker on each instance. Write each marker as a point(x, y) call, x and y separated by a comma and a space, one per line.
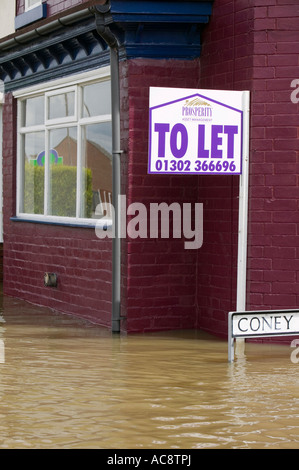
point(96, 74)
point(243, 208)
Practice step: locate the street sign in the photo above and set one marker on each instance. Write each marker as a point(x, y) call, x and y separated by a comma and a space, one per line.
point(195, 131)
point(261, 324)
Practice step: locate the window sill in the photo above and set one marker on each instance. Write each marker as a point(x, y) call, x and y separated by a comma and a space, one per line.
point(97, 223)
point(30, 16)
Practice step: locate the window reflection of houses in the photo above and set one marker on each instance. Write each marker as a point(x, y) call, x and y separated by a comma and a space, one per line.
point(98, 160)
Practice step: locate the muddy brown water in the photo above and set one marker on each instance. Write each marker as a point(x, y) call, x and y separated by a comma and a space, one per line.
point(65, 383)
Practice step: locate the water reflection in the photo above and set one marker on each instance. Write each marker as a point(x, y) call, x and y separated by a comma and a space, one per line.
point(67, 384)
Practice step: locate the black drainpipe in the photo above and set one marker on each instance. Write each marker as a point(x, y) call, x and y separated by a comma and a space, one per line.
point(104, 31)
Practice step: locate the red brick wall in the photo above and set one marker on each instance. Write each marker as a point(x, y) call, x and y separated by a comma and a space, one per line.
point(254, 46)
point(274, 190)
point(247, 45)
point(159, 275)
point(226, 63)
point(81, 260)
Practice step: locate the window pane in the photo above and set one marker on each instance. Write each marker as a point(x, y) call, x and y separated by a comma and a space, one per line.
point(63, 172)
point(32, 3)
point(62, 105)
point(33, 111)
point(33, 197)
point(96, 99)
point(96, 169)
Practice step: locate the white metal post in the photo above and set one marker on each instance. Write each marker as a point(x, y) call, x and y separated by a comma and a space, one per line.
point(243, 209)
point(230, 339)
point(243, 214)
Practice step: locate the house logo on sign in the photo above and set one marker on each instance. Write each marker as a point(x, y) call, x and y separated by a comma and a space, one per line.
point(196, 109)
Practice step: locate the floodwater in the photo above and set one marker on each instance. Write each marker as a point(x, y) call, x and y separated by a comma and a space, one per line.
point(67, 384)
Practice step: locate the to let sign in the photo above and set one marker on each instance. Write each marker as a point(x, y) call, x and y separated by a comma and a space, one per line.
point(195, 131)
point(261, 324)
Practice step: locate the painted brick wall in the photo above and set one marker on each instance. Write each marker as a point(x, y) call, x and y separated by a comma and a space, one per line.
point(247, 45)
point(255, 46)
point(226, 63)
point(81, 260)
point(160, 275)
point(274, 193)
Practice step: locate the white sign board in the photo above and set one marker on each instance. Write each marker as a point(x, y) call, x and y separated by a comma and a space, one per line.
point(195, 131)
point(261, 324)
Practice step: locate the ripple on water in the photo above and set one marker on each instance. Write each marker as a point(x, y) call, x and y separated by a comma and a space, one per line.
point(67, 384)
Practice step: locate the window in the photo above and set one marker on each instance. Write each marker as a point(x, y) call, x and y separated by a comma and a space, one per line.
point(34, 10)
point(29, 4)
point(65, 152)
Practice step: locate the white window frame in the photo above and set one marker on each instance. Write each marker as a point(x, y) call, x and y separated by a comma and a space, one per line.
point(49, 89)
point(36, 4)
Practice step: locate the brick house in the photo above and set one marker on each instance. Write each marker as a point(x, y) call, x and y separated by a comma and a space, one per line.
point(57, 69)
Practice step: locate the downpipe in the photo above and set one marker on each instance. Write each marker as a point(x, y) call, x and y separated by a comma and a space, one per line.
point(101, 12)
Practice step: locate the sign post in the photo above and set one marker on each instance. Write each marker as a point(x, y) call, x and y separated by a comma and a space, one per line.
point(204, 132)
point(265, 323)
